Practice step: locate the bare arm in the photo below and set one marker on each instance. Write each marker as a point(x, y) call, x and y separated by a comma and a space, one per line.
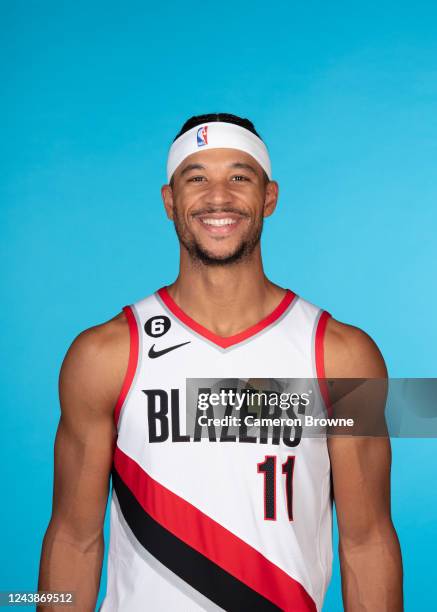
point(89, 383)
point(370, 557)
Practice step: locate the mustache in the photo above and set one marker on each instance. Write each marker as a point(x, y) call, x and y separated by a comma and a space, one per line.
point(220, 209)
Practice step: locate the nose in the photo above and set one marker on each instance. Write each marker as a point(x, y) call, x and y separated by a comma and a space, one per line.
point(218, 194)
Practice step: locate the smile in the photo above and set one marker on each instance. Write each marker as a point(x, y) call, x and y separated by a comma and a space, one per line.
point(218, 222)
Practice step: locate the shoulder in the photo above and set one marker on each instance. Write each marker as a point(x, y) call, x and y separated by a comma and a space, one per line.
point(349, 352)
point(95, 364)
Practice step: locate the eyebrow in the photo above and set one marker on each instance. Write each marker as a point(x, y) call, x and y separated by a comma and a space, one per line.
point(244, 166)
point(241, 165)
point(192, 167)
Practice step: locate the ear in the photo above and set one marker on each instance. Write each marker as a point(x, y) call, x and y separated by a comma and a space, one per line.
point(271, 198)
point(167, 197)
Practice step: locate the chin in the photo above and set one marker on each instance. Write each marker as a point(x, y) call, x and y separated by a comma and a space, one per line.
point(212, 258)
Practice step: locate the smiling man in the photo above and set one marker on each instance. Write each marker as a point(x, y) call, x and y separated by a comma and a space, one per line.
point(208, 517)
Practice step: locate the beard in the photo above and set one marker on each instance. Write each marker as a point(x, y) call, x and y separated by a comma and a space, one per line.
point(198, 253)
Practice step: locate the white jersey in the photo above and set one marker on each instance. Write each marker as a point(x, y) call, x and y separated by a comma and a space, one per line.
point(209, 516)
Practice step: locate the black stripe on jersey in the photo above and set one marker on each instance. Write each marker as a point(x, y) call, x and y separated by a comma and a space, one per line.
point(197, 570)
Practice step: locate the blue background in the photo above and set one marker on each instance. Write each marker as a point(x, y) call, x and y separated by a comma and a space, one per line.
point(93, 93)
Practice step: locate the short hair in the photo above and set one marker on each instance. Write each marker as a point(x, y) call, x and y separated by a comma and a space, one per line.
point(222, 117)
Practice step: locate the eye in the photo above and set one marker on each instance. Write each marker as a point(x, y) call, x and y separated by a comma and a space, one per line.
point(240, 178)
point(196, 179)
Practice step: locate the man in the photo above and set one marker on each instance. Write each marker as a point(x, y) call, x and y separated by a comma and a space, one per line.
point(205, 517)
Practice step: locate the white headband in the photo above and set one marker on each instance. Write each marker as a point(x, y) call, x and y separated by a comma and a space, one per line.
point(217, 135)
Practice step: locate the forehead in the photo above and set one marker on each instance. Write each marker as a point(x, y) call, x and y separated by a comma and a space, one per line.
point(220, 159)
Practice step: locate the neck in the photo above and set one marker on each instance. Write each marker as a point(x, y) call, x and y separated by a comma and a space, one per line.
point(225, 299)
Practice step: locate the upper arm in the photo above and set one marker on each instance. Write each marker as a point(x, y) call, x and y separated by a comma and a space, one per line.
point(89, 382)
point(360, 464)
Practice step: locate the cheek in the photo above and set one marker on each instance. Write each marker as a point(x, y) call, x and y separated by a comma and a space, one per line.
point(249, 196)
point(180, 206)
point(187, 201)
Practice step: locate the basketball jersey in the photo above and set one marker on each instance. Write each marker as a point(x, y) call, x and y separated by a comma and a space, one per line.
point(207, 517)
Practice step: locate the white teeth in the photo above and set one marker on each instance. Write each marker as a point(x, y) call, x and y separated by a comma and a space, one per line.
point(218, 222)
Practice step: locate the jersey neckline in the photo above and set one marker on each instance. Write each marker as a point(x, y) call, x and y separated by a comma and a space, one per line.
point(226, 341)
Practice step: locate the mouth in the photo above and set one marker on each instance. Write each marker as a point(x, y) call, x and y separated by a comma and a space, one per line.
point(220, 224)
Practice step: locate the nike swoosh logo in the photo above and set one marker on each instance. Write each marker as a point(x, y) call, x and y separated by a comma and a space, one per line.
point(153, 354)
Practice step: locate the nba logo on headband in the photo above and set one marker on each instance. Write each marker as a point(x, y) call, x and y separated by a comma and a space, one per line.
point(202, 136)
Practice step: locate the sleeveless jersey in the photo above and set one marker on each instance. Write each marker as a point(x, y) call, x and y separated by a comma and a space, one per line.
point(216, 518)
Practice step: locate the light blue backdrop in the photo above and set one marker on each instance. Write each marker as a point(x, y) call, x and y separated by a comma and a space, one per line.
point(92, 94)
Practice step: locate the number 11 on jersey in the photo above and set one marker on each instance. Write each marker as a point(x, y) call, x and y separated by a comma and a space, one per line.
point(268, 469)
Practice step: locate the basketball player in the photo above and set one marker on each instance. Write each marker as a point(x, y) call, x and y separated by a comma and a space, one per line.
point(229, 519)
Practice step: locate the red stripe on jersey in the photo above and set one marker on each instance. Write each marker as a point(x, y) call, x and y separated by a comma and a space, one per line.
point(226, 341)
point(132, 363)
point(212, 540)
point(320, 359)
